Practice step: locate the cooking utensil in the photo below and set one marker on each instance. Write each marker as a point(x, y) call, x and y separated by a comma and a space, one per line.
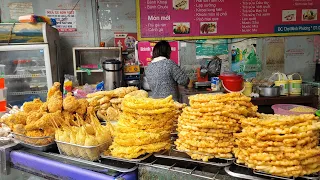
point(112, 73)
point(269, 91)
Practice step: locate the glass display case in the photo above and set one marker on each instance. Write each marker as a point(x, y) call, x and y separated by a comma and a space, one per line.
point(32, 64)
point(26, 72)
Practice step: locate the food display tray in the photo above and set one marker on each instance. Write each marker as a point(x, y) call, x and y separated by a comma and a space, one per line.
point(182, 156)
point(136, 160)
point(91, 153)
point(38, 141)
point(43, 148)
point(237, 170)
point(5, 141)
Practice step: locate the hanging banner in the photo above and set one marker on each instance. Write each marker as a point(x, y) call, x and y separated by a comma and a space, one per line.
point(145, 52)
point(206, 19)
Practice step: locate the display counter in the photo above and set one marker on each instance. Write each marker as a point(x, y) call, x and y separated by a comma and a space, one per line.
point(184, 93)
point(26, 163)
point(17, 161)
point(264, 103)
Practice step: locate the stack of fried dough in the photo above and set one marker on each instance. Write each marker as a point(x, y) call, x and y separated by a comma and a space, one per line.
point(144, 127)
point(205, 130)
point(108, 103)
point(280, 145)
point(178, 111)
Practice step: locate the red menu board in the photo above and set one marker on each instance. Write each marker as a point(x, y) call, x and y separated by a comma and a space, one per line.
point(204, 19)
point(145, 49)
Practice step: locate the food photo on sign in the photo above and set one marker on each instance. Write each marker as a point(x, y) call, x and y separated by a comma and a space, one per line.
point(125, 40)
point(144, 52)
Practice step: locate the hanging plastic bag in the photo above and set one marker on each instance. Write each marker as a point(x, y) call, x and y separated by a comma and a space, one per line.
point(68, 84)
point(252, 64)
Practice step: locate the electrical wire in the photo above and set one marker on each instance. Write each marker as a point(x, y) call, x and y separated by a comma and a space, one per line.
point(70, 12)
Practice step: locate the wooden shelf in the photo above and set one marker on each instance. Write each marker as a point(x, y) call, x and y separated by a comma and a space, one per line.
point(93, 71)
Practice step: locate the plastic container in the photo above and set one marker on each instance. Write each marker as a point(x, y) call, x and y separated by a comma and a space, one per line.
point(307, 89)
point(215, 84)
point(3, 94)
point(232, 82)
point(284, 109)
point(3, 105)
point(295, 85)
point(39, 141)
point(282, 82)
point(91, 153)
point(2, 70)
point(247, 88)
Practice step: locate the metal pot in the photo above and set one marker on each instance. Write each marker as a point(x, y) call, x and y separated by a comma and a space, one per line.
point(269, 91)
point(112, 73)
point(133, 83)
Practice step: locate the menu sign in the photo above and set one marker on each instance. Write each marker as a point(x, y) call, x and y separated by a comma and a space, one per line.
point(201, 19)
point(145, 49)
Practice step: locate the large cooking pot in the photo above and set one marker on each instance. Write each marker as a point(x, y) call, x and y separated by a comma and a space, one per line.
point(269, 91)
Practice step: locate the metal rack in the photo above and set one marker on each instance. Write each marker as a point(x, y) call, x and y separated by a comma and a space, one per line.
point(26, 92)
point(244, 172)
point(25, 76)
point(137, 160)
point(182, 156)
point(189, 168)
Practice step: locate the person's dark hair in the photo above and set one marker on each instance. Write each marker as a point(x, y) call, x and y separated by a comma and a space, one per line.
point(162, 48)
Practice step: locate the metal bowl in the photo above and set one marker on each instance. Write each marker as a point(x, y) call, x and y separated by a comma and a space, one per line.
point(269, 91)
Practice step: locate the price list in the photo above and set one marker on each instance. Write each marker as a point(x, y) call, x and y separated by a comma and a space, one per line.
point(202, 19)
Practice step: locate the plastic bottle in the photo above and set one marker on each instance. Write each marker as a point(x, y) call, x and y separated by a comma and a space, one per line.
point(233, 53)
point(238, 55)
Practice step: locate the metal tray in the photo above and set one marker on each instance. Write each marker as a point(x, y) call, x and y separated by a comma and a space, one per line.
point(136, 160)
point(195, 169)
point(243, 173)
point(177, 155)
point(38, 141)
point(263, 174)
point(310, 177)
point(227, 159)
point(44, 148)
point(91, 153)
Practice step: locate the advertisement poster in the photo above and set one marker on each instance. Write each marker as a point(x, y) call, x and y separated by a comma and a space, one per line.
point(145, 52)
point(299, 56)
point(244, 58)
point(211, 47)
point(125, 40)
point(273, 55)
point(202, 18)
point(20, 9)
point(66, 19)
point(21, 33)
